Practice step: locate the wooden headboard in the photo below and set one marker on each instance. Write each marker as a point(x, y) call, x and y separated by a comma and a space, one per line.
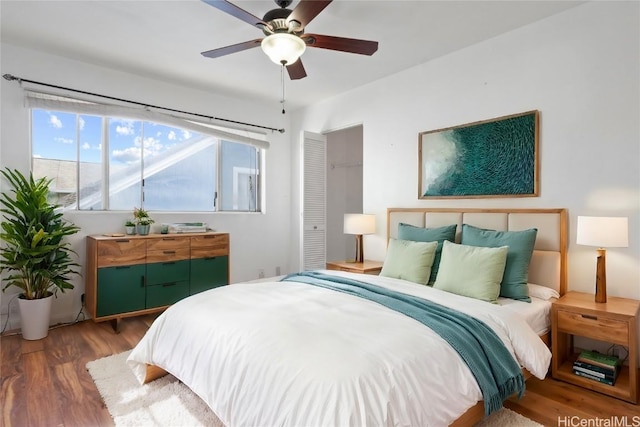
point(549, 261)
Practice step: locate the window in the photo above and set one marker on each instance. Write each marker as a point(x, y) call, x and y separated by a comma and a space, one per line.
point(100, 162)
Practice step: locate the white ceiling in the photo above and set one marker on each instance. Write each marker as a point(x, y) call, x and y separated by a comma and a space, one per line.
point(163, 39)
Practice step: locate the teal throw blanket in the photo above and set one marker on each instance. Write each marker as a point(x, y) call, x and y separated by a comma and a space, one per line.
point(497, 373)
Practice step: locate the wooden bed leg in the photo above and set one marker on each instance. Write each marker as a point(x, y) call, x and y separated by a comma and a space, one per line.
point(153, 373)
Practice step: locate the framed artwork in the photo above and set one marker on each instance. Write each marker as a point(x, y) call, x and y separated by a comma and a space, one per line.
point(490, 158)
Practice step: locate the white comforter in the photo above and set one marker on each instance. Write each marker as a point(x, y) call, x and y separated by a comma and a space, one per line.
point(290, 354)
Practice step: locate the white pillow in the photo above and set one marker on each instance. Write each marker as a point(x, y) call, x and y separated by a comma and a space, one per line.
point(542, 292)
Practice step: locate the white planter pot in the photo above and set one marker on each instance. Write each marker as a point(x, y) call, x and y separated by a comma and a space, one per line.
point(34, 317)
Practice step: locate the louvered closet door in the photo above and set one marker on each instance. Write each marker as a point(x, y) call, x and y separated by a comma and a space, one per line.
point(314, 154)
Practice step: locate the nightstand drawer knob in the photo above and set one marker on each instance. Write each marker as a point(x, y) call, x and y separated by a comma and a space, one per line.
point(587, 316)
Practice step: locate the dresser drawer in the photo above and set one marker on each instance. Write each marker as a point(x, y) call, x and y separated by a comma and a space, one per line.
point(165, 272)
point(596, 327)
point(121, 252)
point(167, 255)
point(168, 243)
point(166, 293)
point(168, 248)
point(209, 245)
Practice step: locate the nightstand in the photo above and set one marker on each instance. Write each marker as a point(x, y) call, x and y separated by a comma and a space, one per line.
point(367, 267)
point(613, 322)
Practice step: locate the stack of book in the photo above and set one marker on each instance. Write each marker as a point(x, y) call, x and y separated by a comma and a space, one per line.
point(188, 227)
point(597, 366)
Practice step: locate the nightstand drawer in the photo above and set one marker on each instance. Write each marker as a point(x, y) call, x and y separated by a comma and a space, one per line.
point(594, 326)
point(350, 270)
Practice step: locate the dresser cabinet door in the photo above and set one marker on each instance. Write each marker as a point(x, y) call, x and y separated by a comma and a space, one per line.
point(120, 289)
point(209, 273)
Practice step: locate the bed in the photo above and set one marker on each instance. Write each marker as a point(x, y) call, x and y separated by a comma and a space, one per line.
point(290, 353)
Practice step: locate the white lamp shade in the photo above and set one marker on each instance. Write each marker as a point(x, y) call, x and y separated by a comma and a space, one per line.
point(603, 231)
point(283, 48)
point(359, 224)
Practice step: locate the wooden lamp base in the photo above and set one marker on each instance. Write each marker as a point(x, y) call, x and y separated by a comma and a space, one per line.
point(601, 276)
point(359, 249)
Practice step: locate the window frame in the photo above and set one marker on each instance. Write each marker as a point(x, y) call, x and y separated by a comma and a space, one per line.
point(105, 164)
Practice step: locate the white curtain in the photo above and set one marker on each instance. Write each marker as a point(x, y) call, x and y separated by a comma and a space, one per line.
point(55, 102)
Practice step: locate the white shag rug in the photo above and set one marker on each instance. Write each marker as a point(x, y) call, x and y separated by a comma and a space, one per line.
point(168, 402)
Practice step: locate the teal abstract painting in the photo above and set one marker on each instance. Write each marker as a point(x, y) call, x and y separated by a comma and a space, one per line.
point(491, 158)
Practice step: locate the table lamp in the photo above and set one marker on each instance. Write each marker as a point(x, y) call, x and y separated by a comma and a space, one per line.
point(359, 224)
point(603, 232)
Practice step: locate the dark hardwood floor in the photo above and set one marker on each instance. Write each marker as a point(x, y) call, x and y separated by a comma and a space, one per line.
point(45, 382)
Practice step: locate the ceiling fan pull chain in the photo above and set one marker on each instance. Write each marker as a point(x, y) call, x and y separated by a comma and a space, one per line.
point(282, 80)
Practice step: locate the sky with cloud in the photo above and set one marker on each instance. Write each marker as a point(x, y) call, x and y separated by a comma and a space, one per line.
point(57, 135)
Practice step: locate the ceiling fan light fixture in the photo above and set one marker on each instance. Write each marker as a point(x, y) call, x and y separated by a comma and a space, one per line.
point(283, 48)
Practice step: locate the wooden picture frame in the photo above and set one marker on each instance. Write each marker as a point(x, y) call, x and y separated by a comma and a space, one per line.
point(490, 158)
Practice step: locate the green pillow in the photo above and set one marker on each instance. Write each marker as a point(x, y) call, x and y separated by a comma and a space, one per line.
point(409, 260)
point(471, 271)
point(419, 234)
point(516, 273)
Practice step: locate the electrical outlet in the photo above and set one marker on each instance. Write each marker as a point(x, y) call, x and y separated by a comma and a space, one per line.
point(277, 270)
point(261, 274)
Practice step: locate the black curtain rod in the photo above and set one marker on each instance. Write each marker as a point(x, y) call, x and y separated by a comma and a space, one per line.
point(10, 77)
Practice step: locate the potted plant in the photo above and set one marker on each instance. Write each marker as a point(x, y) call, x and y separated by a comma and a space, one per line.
point(130, 227)
point(35, 251)
point(143, 221)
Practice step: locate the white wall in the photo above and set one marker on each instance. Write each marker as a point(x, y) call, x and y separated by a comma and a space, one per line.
point(580, 69)
point(256, 239)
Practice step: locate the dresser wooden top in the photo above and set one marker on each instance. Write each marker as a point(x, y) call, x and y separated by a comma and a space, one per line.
point(153, 235)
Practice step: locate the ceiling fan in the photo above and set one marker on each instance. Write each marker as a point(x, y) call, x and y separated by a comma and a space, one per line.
point(285, 39)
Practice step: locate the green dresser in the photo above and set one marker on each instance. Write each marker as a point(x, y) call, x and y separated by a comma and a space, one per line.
point(135, 275)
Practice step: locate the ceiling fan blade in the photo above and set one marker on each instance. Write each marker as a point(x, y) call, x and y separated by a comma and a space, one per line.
point(216, 53)
point(362, 47)
point(296, 70)
point(239, 13)
point(306, 10)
